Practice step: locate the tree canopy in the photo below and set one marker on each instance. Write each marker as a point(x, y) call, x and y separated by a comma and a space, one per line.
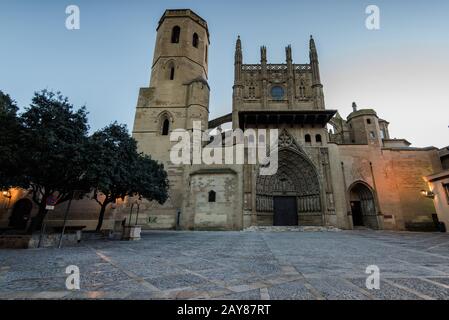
point(47, 149)
point(10, 133)
point(118, 170)
point(53, 151)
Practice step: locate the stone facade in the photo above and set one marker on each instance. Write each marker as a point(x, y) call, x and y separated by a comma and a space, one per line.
point(332, 172)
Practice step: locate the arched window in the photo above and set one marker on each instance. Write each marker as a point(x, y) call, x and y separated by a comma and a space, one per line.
point(318, 138)
point(307, 138)
point(172, 73)
point(302, 90)
point(212, 196)
point(165, 127)
point(176, 31)
point(195, 40)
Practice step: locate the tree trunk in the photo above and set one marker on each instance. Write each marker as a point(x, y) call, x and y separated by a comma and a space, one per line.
point(36, 222)
point(101, 217)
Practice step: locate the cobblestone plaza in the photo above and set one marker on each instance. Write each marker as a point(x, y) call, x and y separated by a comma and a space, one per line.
point(236, 265)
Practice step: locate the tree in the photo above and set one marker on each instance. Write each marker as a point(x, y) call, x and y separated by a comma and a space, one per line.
point(112, 150)
point(10, 141)
point(150, 179)
point(119, 171)
point(53, 152)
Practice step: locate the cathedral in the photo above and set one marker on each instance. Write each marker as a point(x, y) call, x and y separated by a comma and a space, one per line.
point(332, 171)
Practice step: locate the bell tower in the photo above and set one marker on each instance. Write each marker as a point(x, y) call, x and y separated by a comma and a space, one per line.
point(178, 93)
point(177, 96)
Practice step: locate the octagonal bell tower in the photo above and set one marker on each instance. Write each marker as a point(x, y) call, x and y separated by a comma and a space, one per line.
point(177, 96)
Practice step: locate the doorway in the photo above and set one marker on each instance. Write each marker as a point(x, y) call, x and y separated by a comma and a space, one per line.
point(357, 215)
point(363, 207)
point(285, 211)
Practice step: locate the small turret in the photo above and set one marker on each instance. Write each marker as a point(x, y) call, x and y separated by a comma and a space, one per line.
point(263, 55)
point(316, 81)
point(313, 54)
point(238, 60)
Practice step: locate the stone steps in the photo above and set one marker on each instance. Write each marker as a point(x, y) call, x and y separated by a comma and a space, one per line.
point(291, 229)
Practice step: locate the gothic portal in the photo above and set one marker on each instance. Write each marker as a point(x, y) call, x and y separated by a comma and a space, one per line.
point(295, 186)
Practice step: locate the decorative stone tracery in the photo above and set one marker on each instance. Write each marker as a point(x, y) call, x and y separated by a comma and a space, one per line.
point(296, 176)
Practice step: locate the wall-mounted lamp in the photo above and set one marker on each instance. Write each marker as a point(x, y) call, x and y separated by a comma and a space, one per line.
point(7, 194)
point(427, 194)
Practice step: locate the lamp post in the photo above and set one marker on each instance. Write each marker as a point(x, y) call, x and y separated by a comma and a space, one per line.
point(75, 194)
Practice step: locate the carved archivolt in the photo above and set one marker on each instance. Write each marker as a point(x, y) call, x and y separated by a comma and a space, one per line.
point(296, 176)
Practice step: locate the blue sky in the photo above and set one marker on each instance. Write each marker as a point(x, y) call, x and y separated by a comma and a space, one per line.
point(400, 70)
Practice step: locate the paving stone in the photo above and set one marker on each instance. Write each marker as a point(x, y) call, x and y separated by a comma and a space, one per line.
point(386, 291)
point(295, 290)
point(429, 289)
point(247, 295)
point(336, 289)
point(444, 281)
point(175, 281)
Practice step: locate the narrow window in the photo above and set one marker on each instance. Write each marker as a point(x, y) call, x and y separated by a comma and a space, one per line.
point(206, 54)
point(368, 121)
point(195, 40)
point(318, 138)
point(446, 189)
point(172, 73)
point(165, 127)
point(175, 34)
point(212, 196)
point(308, 139)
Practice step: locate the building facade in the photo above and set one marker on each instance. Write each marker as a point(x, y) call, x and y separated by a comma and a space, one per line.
point(331, 171)
point(353, 174)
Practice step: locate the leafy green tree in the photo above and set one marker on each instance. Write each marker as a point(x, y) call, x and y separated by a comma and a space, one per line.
point(111, 151)
point(10, 141)
point(53, 152)
point(150, 179)
point(118, 171)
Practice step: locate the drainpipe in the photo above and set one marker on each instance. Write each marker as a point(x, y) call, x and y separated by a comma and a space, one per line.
point(376, 199)
point(348, 204)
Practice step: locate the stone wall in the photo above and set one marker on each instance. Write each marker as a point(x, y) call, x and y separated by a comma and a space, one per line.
point(396, 176)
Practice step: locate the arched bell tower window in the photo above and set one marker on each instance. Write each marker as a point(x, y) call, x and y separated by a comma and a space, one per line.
point(176, 31)
point(195, 40)
point(165, 127)
point(172, 73)
point(212, 196)
point(318, 138)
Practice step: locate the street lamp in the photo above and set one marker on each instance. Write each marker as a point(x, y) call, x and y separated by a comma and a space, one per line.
point(427, 194)
point(7, 194)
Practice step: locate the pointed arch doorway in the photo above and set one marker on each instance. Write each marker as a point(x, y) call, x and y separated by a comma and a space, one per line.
point(292, 196)
point(363, 207)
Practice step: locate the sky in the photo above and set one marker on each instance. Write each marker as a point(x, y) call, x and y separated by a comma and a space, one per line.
point(400, 70)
